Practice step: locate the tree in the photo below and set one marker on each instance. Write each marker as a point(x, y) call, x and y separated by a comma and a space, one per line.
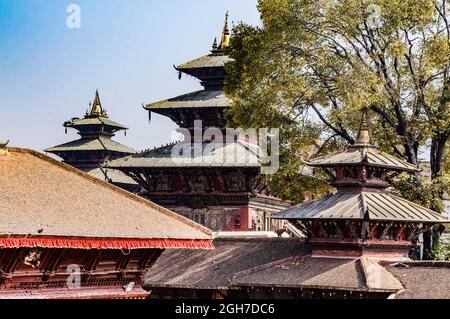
point(318, 62)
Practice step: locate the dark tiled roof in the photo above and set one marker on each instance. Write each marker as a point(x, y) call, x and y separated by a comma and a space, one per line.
point(95, 120)
point(206, 61)
point(423, 280)
point(353, 205)
point(215, 268)
point(42, 197)
point(323, 273)
point(98, 144)
point(197, 99)
point(238, 154)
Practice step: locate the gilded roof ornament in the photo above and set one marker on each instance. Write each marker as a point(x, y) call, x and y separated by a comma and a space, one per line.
point(96, 108)
point(225, 42)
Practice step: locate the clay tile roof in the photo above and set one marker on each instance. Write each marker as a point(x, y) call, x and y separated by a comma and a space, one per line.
point(423, 280)
point(50, 204)
point(215, 268)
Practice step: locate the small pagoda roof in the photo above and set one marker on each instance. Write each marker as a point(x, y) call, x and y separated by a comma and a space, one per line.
point(97, 144)
point(237, 154)
point(45, 203)
point(97, 120)
point(197, 99)
point(96, 115)
point(213, 60)
point(363, 154)
point(380, 206)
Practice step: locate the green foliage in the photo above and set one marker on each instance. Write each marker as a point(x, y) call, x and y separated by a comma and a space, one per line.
point(428, 194)
point(314, 64)
point(441, 251)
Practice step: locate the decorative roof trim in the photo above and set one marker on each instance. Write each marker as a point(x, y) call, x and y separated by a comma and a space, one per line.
point(114, 188)
point(96, 243)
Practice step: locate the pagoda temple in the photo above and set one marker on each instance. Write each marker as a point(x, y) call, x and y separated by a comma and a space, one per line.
point(87, 239)
point(362, 218)
point(356, 246)
point(205, 186)
point(96, 146)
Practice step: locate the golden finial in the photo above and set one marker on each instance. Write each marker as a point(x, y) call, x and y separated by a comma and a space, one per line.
point(96, 108)
point(3, 148)
point(225, 43)
point(363, 133)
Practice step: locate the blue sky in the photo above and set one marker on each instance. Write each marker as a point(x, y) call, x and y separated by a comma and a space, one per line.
point(126, 49)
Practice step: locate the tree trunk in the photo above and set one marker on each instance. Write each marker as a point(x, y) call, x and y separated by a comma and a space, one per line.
point(437, 150)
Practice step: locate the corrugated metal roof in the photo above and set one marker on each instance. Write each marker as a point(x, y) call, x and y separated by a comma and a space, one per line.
point(353, 205)
point(368, 154)
point(197, 99)
point(98, 144)
point(206, 61)
point(237, 154)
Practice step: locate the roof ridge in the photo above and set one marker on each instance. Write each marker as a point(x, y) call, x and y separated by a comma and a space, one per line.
point(372, 272)
point(114, 188)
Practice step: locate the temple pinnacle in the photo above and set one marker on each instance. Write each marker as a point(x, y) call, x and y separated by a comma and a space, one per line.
point(96, 108)
point(363, 133)
point(225, 42)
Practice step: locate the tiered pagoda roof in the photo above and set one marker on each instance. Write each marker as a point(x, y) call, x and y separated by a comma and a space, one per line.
point(209, 69)
point(210, 103)
point(96, 130)
point(362, 218)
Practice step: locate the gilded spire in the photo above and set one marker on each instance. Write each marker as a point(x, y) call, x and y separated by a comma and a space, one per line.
point(3, 148)
point(214, 46)
point(225, 42)
point(96, 108)
point(363, 133)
